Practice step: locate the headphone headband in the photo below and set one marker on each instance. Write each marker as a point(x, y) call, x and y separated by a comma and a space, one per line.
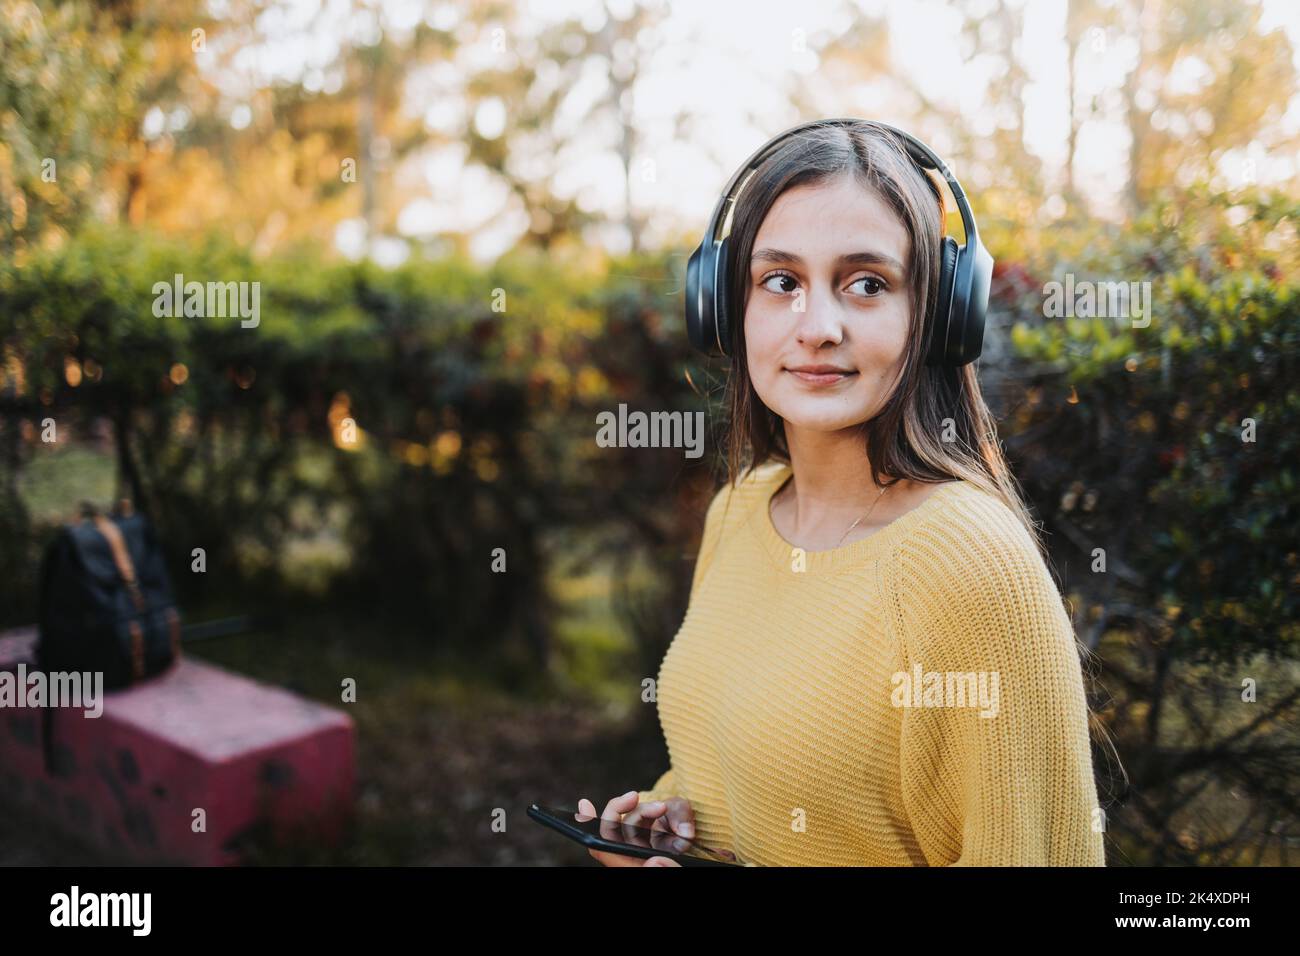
point(965, 271)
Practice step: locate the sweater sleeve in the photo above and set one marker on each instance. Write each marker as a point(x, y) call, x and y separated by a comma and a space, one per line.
point(1008, 779)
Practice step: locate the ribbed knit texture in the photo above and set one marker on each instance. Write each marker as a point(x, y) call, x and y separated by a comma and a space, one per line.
point(781, 715)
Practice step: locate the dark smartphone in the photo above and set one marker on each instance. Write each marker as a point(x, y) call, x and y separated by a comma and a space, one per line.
point(628, 840)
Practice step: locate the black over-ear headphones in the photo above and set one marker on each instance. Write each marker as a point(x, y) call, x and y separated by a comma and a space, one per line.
point(957, 317)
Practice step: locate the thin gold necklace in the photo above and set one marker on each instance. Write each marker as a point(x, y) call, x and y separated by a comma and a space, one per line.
point(864, 517)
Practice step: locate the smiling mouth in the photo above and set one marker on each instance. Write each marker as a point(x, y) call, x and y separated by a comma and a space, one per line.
point(821, 376)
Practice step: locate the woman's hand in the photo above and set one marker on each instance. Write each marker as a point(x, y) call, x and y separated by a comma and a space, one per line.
point(673, 815)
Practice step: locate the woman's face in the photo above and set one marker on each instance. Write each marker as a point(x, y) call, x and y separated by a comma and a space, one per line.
point(828, 311)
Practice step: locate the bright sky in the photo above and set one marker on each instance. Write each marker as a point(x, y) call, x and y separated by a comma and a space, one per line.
point(744, 52)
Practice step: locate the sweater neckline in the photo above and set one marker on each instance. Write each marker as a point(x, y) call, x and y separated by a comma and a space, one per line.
point(855, 552)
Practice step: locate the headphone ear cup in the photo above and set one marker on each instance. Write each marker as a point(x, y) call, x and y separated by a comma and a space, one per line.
point(722, 302)
point(694, 319)
point(942, 320)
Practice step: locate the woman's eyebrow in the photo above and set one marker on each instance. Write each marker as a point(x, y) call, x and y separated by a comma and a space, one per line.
point(851, 258)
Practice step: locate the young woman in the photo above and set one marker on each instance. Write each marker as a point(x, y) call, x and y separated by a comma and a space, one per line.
point(876, 667)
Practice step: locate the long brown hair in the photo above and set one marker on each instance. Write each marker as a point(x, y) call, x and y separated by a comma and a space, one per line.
point(905, 439)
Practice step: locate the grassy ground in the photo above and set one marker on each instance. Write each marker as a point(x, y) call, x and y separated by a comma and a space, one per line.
point(442, 746)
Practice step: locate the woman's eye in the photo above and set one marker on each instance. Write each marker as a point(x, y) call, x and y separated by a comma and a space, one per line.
point(779, 276)
point(875, 285)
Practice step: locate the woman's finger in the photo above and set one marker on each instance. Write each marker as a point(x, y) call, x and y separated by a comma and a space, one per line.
point(681, 817)
point(644, 813)
point(612, 816)
point(618, 806)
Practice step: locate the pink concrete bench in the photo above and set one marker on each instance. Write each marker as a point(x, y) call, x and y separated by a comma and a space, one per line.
point(258, 760)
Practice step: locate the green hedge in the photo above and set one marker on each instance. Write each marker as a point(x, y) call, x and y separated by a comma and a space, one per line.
point(474, 427)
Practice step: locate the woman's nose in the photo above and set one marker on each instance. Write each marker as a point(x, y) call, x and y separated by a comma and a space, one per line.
point(818, 319)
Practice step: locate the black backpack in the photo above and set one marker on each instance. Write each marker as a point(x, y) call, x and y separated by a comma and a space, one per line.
point(106, 602)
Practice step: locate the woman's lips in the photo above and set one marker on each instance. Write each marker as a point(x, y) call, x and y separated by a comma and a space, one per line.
point(820, 378)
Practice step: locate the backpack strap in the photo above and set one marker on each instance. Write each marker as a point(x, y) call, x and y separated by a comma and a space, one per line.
point(121, 557)
point(172, 616)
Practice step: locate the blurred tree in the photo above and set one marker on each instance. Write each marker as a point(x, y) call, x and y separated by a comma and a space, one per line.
point(69, 82)
point(1204, 81)
point(540, 86)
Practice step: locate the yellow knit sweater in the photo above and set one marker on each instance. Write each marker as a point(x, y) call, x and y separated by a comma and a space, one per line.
point(812, 701)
